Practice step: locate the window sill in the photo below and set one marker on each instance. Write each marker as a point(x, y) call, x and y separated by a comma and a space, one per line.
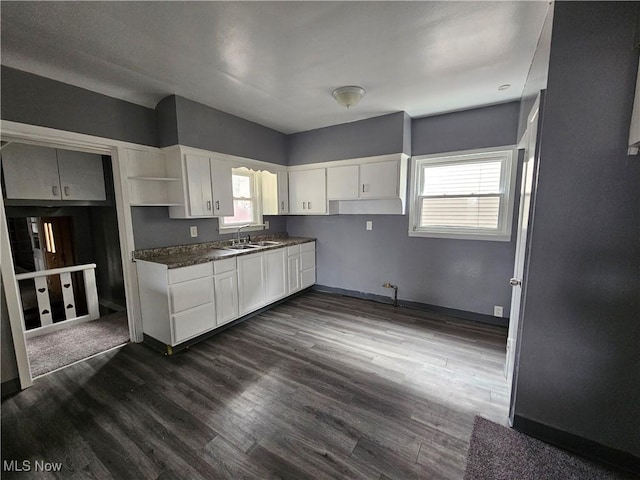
point(252, 228)
point(490, 237)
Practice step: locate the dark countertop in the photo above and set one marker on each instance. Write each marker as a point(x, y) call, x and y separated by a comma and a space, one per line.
point(186, 255)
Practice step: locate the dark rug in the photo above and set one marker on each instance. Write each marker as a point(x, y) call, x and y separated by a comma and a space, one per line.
point(499, 453)
point(64, 347)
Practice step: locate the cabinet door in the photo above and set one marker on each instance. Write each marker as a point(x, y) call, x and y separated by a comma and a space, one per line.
point(275, 274)
point(199, 186)
point(81, 175)
point(342, 182)
point(379, 180)
point(226, 295)
point(30, 172)
point(308, 191)
point(251, 288)
point(222, 188)
point(283, 193)
point(293, 276)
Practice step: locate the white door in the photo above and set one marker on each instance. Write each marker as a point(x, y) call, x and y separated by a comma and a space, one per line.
point(251, 291)
point(222, 188)
point(379, 180)
point(226, 295)
point(199, 186)
point(275, 265)
point(81, 175)
point(521, 240)
point(293, 276)
point(31, 172)
point(342, 182)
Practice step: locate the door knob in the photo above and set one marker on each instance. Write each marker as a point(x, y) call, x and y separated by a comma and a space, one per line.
point(514, 282)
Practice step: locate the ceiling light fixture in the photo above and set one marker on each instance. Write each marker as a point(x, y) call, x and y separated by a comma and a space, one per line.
point(348, 96)
point(504, 86)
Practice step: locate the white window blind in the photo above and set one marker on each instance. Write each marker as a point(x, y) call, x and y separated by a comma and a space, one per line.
point(463, 195)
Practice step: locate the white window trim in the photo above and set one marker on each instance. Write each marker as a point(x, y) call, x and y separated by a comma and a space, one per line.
point(258, 223)
point(507, 182)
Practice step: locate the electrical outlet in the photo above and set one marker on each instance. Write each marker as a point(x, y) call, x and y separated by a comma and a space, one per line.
point(194, 231)
point(497, 311)
point(369, 225)
point(266, 224)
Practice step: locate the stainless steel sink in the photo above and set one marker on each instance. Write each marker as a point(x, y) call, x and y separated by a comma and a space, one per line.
point(242, 246)
point(265, 243)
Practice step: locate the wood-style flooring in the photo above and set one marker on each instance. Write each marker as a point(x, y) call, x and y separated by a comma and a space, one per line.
point(321, 386)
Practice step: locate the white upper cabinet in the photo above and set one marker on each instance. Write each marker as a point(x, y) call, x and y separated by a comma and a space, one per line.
point(308, 192)
point(343, 182)
point(41, 173)
point(205, 188)
point(221, 188)
point(198, 173)
point(275, 192)
point(379, 179)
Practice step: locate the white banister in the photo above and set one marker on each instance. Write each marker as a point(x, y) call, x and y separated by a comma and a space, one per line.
point(68, 297)
point(53, 271)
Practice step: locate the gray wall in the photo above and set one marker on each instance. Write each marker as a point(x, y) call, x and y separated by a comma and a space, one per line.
point(579, 358)
point(35, 100)
point(364, 138)
point(492, 126)
point(470, 275)
point(153, 228)
point(200, 126)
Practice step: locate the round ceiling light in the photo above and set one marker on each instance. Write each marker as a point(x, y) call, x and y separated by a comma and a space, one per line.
point(348, 96)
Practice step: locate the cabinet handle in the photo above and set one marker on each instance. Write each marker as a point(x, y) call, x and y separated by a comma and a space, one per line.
point(217, 204)
point(66, 191)
point(208, 204)
point(309, 205)
point(304, 205)
point(363, 188)
point(282, 205)
point(54, 189)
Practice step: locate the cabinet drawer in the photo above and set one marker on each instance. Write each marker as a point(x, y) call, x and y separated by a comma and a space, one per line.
point(192, 323)
point(307, 260)
point(186, 295)
point(307, 247)
point(223, 266)
point(190, 273)
point(293, 250)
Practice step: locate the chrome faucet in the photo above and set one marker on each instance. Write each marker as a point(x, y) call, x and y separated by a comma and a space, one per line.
point(237, 239)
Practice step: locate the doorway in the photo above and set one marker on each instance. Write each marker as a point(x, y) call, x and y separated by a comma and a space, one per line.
point(67, 262)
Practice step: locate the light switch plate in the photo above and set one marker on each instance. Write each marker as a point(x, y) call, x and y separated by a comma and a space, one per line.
point(266, 224)
point(194, 231)
point(369, 225)
point(497, 311)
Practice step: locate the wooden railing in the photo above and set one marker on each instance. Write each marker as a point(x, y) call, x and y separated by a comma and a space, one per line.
point(68, 297)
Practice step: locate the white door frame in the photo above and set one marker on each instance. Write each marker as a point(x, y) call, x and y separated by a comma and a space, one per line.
point(528, 142)
point(24, 133)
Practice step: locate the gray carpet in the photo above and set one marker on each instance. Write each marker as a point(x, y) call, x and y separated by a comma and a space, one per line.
point(499, 453)
point(58, 349)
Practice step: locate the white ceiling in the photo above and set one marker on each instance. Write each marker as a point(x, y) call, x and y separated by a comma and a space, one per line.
point(276, 63)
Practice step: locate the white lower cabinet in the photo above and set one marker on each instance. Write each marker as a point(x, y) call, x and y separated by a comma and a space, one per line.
point(275, 269)
point(307, 264)
point(293, 269)
point(225, 282)
point(251, 283)
point(179, 304)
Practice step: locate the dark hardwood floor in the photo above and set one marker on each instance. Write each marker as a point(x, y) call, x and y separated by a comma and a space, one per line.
point(321, 386)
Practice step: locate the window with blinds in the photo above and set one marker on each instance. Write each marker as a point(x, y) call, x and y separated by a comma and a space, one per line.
point(246, 209)
point(466, 195)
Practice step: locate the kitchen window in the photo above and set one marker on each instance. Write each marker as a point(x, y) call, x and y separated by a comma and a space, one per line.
point(246, 204)
point(465, 195)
